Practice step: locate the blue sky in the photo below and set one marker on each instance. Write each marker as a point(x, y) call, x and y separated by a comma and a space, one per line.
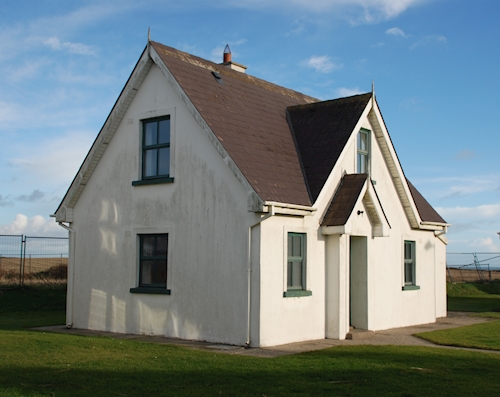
point(434, 64)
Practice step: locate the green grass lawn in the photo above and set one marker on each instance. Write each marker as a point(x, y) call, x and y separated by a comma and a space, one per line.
point(474, 297)
point(34, 363)
point(482, 300)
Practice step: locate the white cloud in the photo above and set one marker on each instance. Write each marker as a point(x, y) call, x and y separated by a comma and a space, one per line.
point(364, 11)
point(344, 91)
point(74, 48)
point(321, 64)
point(487, 211)
point(35, 226)
point(396, 32)
point(430, 40)
point(465, 154)
point(45, 160)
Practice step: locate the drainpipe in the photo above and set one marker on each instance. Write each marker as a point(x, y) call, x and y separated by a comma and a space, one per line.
point(71, 274)
point(249, 270)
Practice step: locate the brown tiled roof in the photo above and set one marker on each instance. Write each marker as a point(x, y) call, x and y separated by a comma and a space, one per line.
point(344, 200)
point(248, 116)
point(425, 210)
point(321, 132)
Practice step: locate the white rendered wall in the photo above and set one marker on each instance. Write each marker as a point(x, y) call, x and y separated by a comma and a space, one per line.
point(388, 305)
point(205, 213)
point(290, 319)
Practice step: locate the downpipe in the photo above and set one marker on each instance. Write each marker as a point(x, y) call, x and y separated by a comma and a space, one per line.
point(71, 274)
point(249, 273)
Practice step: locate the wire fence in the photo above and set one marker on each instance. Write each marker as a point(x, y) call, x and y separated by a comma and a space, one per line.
point(28, 260)
point(472, 267)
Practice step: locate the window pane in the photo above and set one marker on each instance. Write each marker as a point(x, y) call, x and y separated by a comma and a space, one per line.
point(289, 274)
point(161, 245)
point(297, 246)
point(297, 275)
point(408, 254)
point(290, 245)
point(148, 246)
point(150, 161)
point(363, 141)
point(150, 133)
point(164, 131)
point(164, 161)
point(362, 163)
point(408, 273)
point(160, 275)
point(147, 272)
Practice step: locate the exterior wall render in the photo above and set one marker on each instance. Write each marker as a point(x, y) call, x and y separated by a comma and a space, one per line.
point(290, 319)
point(207, 270)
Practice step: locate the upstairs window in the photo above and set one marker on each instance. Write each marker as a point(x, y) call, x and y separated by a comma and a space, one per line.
point(363, 152)
point(156, 148)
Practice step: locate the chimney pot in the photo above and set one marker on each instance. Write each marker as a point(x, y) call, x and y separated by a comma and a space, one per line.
point(227, 54)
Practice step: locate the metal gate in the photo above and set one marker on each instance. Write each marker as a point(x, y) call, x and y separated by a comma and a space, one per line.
point(26, 260)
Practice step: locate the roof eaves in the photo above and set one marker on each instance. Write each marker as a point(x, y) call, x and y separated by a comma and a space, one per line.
point(110, 126)
point(393, 165)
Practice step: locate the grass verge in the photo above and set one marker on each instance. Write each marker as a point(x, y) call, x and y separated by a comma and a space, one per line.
point(37, 364)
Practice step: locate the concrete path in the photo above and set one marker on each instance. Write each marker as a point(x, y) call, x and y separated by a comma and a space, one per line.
point(396, 336)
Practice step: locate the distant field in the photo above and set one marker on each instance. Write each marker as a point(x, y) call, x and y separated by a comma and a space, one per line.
point(470, 275)
point(46, 270)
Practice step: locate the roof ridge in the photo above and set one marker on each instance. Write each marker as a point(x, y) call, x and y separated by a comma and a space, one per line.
point(212, 66)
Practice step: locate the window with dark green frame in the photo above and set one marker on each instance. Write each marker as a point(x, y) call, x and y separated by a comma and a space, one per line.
point(363, 151)
point(156, 148)
point(409, 265)
point(296, 265)
point(153, 264)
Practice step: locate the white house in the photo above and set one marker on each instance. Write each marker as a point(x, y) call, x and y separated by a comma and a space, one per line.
point(217, 206)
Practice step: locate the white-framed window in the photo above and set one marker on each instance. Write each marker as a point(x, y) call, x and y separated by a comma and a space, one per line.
point(296, 265)
point(363, 152)
point(409, 265)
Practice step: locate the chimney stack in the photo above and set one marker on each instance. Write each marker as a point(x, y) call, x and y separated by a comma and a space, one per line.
point(227, 62)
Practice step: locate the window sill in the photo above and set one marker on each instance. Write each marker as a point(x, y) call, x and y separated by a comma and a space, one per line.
point(149, 290)
point(296, 293)
point(410, 287)
point(153, 181)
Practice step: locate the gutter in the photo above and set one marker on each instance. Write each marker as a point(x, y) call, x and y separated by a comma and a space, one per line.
point(71, 274)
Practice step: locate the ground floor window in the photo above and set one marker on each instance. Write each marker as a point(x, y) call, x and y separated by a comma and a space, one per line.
point(153, 262)
point(296, 265)
point(409, 264)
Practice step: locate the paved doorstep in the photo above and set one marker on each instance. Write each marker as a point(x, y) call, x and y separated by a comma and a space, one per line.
point(396, 336)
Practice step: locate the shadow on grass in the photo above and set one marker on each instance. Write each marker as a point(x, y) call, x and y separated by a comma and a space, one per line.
point(359, 371)
point(474, 304)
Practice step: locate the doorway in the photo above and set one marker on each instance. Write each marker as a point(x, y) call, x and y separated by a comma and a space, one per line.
point(358, 282)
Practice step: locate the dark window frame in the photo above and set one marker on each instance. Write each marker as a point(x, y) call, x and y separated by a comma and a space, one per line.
point(158, 260)
point(156, 148)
